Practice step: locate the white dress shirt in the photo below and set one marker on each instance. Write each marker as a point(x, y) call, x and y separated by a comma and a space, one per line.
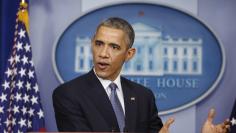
point(105, 83)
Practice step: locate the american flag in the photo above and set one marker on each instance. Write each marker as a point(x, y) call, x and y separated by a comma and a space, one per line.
point(233, 119)
point(20, 107)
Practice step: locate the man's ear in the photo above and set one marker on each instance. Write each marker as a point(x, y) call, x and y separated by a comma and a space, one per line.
point(130, 54)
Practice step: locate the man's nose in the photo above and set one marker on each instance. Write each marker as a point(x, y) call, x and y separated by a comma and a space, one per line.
point(104, 52)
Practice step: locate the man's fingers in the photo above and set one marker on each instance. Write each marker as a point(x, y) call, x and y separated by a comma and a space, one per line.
point(165, 128)
point(227, 122)
point(211, 115)
point(224, 126)
point(222, 129)
point(169, 122)
point(227, 127)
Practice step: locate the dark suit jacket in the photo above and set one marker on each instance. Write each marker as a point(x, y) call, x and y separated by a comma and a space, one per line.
point(83, 105)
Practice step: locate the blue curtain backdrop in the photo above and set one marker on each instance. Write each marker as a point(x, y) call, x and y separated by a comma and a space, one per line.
point(8, 10)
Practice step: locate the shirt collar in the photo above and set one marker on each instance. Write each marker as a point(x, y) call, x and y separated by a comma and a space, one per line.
point(105, 83)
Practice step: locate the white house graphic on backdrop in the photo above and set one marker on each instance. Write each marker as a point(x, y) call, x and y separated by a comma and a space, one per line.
point(155, 54)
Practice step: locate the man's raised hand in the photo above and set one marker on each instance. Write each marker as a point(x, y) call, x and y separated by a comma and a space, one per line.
point(209, 127)
point(165, 128)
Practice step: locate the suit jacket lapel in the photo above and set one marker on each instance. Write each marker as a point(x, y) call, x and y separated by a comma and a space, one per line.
point(130, 106)
point(100, 99)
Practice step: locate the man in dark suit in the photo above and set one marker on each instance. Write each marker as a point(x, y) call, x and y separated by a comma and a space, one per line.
point(83, 104)
point(102, 100)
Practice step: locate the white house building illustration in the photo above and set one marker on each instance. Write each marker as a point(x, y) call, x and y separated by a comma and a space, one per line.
point(155, 54)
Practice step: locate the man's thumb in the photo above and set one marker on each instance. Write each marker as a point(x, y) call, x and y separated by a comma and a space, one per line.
point(211, 115)
point(169, 122)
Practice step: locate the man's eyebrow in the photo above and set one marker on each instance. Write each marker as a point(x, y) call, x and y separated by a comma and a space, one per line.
point(100, 41)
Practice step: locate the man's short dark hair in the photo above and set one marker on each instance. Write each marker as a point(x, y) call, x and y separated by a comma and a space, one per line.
point(121, 24)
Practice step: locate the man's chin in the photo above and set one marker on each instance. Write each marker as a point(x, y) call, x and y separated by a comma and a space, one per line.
point(101, 74)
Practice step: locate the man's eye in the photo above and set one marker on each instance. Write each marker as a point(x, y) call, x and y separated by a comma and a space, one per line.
point(115, 47)
point(98, 43)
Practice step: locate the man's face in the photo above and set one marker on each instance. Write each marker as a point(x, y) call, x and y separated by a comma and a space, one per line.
point(110, 51)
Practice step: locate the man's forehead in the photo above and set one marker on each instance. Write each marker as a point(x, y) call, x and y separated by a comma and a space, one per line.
point(111, 34)
point(111, 29)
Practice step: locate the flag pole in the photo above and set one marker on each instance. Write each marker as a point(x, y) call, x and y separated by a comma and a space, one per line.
point(23, 14)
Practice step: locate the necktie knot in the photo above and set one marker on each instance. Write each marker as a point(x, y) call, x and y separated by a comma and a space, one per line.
point(113, 86)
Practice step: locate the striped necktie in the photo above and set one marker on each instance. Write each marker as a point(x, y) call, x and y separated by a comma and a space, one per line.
point(117, 106)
